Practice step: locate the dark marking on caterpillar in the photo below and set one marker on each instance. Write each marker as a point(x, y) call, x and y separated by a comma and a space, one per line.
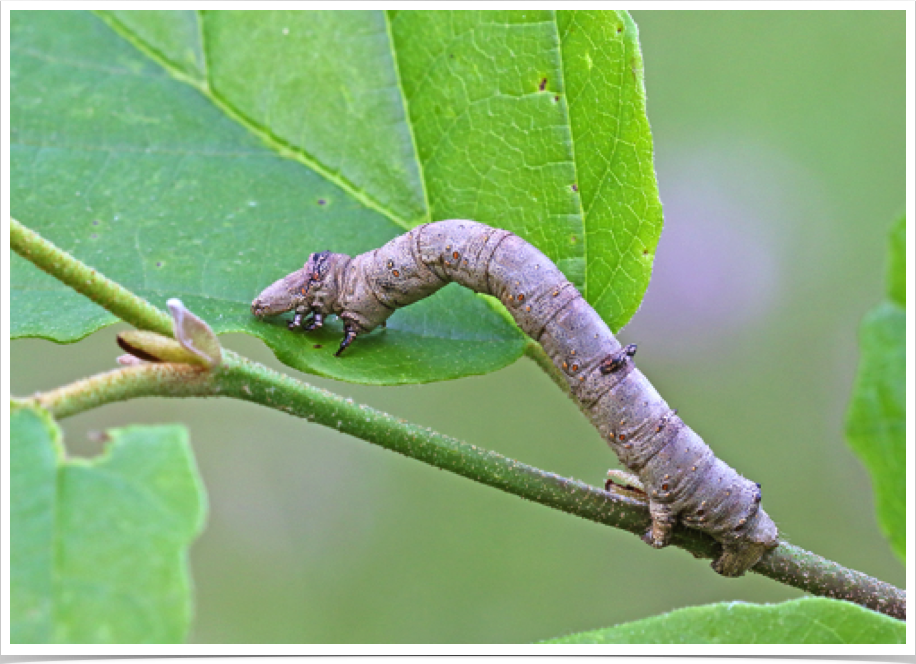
point(614, 362)
point(684, 481)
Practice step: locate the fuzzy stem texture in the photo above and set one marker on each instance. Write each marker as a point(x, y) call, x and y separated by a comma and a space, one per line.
point(242, 379)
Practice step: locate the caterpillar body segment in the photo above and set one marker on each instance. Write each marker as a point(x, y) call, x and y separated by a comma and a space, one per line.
point(683, 480)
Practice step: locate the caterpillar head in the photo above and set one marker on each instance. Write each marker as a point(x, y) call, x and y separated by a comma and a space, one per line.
point(303, 290)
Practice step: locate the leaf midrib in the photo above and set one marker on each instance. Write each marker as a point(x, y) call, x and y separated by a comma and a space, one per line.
point(572, 148)
point(280, 146)
point(408, 120)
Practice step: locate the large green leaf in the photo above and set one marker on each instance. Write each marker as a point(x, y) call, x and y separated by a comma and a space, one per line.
point(203, 156)
point(807, 620)
point(98, 549)
point(876, 421)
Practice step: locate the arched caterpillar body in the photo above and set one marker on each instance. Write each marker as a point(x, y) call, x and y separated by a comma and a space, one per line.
point(681, 476)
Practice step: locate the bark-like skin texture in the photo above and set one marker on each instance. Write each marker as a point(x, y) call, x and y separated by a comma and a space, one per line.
point(682, 477)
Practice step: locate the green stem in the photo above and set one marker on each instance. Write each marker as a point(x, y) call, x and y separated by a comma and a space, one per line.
point(242, 379)
point(82, 278)
point(146, 379)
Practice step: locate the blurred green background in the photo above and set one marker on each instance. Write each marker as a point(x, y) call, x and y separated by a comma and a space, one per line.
point(780, 152)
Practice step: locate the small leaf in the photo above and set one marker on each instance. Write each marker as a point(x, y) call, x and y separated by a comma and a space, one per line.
point(806, 620)
point(98, 549)
point(194, 334)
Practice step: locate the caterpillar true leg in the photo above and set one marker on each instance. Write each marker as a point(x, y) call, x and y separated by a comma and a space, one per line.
point(296, 321)
point(313, 323)
point(349, 335)
point(314, 320)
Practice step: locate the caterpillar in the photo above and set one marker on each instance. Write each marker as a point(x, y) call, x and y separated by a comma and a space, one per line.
point(682, 478)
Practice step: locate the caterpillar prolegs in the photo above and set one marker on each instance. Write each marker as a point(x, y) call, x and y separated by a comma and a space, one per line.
point(682, 478)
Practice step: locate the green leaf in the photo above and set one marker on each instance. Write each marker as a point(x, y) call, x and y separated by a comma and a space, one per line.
point(603, 69)
point(98, 549)
point(876, 420)
point(807, 620)
point(203, 156)
point(896, 264)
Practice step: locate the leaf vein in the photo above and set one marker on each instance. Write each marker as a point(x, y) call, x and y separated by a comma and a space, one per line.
point(281, 147)
point(407, 117)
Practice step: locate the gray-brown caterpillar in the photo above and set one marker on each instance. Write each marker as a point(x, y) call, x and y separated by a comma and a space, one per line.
point(681, 476)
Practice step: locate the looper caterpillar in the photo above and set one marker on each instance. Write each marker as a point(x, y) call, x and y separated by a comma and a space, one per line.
point(682, 478)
